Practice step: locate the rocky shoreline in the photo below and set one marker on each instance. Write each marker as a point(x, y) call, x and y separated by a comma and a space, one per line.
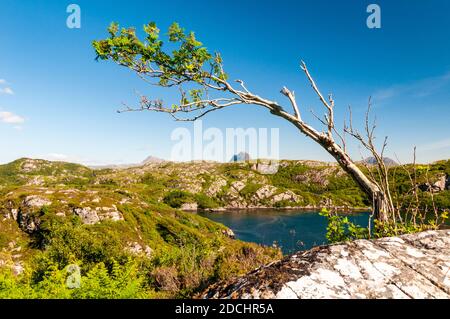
point(340, 209)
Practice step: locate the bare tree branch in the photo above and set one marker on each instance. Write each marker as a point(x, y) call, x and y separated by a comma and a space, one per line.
point(328, 104)
point(291, 96)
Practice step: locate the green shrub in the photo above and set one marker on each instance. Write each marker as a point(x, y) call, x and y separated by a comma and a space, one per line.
point(177, 198)
point(341, 229)
point(66, 241)
point(205, 202)
point(285, 176)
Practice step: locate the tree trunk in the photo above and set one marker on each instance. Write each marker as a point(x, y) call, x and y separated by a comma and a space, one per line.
point(381, 207)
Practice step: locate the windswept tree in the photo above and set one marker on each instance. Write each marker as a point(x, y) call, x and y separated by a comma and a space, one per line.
point(204, 87)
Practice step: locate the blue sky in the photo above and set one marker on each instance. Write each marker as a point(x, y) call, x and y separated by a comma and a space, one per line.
point(57, 102)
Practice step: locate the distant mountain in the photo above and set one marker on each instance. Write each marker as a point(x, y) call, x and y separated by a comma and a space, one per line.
point(372, 161)
point(153, 159)
point(149, 160)
point(241, 157)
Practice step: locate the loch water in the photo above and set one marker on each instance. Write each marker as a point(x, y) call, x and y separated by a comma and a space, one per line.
point(291, 230)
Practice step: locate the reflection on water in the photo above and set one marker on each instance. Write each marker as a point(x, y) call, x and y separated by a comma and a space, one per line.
point(291, 230)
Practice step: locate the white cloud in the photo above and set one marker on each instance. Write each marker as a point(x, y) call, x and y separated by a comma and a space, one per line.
point(445, 143)
point(7, 90)
point(417, 89)
point(11, 118)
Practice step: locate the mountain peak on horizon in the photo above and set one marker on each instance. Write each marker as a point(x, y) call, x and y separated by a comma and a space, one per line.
point(372, 161)
point(240, 157)
point(152, 159)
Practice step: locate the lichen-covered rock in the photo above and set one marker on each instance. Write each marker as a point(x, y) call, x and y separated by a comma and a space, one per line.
point(28, 221)
point(435, 187)
point(109, 213)
point(229, 233)
point(189, 206)
point(36, 180)
point(216, 187)
point(236, 202)
point(18, 268)
point(326, 202)
point(27, 216)
point(136, 249)
point(266, 168)
point(29, 165)
point(35, 201)
point(285, 196)
point(408, 266)
point(440, 184)
point(265, 191)
point(88, 215)
point(237, 186)
point(91, 216)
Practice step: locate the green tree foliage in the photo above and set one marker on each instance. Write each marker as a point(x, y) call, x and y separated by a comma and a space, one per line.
point(190, 61)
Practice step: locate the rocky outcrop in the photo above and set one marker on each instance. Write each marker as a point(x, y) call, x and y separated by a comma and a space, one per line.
point(92, 216)
point(265, 192)
point(189, 206)
point(35, 201)
point(29, 165)
point(440, 184)
point(285, 196)
point(88, 215)
point(27, 216)
point(137, 249)
point(319, 177)
point(28, 222)
point(216, 187)
point(36, 181)
point(408, 266)
point(266, 168)
point(229, 233)
point(266, 196)
point(238, 186)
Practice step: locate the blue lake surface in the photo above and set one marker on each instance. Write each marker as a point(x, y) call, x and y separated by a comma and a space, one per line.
point(290, 230)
